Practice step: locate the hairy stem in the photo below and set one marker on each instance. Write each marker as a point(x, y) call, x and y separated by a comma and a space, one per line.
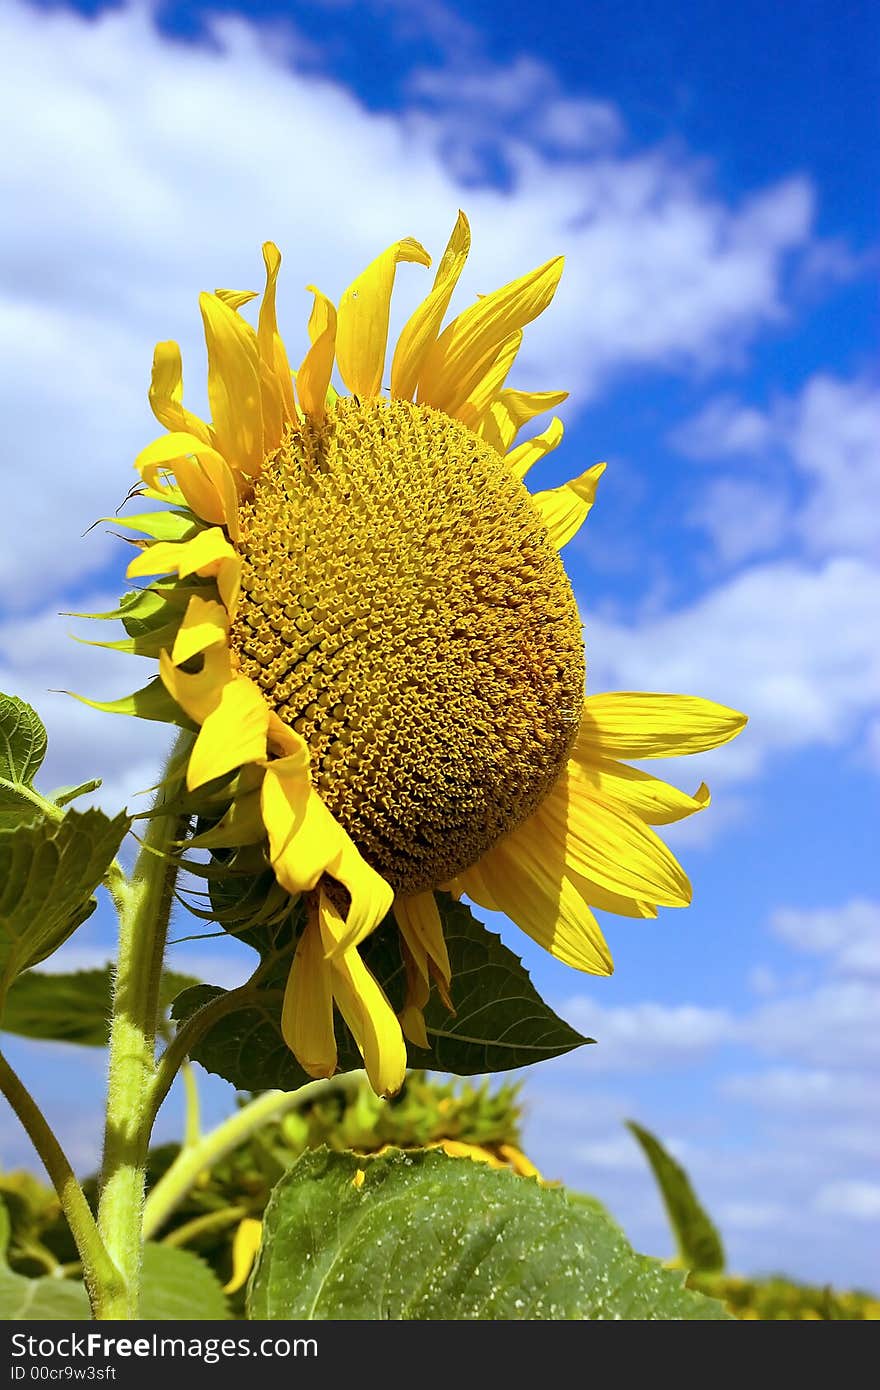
point(186, 1037)
point(103, 1280)
point(184, 1172)
point(144, 905)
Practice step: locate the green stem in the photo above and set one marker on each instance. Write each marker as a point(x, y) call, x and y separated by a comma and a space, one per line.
point(102, 1278)
point(144, 908)
point(192, 1125)
point(189, 1033)
point(202, 1225)
point(184, 1172)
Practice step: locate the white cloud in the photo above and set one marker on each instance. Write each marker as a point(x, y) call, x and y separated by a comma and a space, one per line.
point(805, 1091)
point(724, 428)
point(792, 646)
point(169, 163)
point(859, 1201)
point(832, 1022)
point(827, 438)
point(850, 934)
point(646, 1037)
point(744, 517)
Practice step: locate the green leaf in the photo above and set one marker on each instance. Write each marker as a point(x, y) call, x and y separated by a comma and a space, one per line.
point(62, 796)
point(699, 1244)
point(73, 1008)
point(48, 871)
point(430, 1238)
point(500, 1023)
point(37, 1300)
point(177, 1286)
point(22, 750)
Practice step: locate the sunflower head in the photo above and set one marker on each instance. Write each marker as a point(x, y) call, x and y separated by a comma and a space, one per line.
point(404, 612)
point(365, 614)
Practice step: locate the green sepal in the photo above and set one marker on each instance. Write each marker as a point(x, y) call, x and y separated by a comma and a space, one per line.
point(150, 702)
point(160, 526)
point(62, 796)
point(149, 643)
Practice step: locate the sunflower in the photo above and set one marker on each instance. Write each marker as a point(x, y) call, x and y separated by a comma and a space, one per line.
point(362, 610)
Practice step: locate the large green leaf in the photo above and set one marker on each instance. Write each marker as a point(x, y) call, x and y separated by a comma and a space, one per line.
point(500, 1023)
point(22, 750)
point(698, 1241)
point(178, 1286)
point(48, 872)
point(72, 1008)
point(427, 1237)
point(37, 1300)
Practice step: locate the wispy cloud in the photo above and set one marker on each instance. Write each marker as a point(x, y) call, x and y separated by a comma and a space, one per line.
point(169, 163)
point(814, 479)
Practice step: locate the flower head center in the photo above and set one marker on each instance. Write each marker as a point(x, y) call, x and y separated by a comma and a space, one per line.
point(403, 609)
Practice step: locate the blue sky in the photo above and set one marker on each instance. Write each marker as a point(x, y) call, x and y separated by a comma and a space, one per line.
point(706, 171)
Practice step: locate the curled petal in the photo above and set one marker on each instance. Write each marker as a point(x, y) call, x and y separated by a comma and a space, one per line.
point(307, 1008)
point(364, 310)
point(463, 352)
point(526, 455)
point(313, 377)
point(564, 509)
point(420, 332)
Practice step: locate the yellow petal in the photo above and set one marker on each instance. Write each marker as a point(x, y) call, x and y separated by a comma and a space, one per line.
point(596, 896)
point(607, 843)
point(513, 409)
point(208, 554)
point(313, 377)
point(418, 991)
point(306, 841)
point(198, 692)
point(478, 402)
point(518, 1161)
point(421, 329)
point(245, 1244)
point(271, 345)
point(205, 622)
point(526, 455)
point(372, 1022)
point(236, 299)
point(462, 353)
point(166, 394)
point(632, 724)
point(307, 1008)
point(477, 1153)
point(362, 333)
point(412, 1025)
point(418, 918)
point(233, 734)
point(563, 510)
point(203, 476)
point(233, 386)
point(653, 801)
point(540, 900)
